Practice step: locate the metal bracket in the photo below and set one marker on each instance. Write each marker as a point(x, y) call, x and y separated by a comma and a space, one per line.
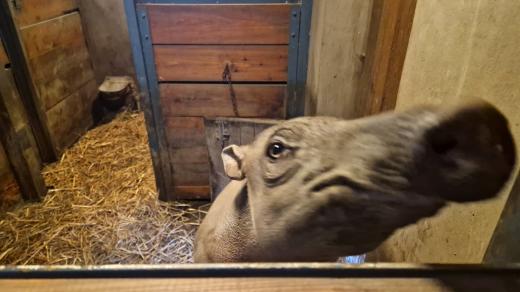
point(223, 133)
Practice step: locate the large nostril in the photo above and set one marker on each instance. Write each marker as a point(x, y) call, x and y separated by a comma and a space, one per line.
point(442, 144)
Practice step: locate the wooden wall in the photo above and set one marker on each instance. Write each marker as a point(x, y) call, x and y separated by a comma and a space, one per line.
point(60, 65)
point(339, 34)
point(459, 50)
point(23, 162)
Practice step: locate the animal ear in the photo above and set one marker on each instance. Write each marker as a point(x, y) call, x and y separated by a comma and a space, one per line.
point(233, 158)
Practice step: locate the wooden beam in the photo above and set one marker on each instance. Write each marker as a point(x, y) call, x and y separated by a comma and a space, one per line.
point(30, 180)
point(504, 246)
point(256, 284)
point(260, 277)
point(390, 27)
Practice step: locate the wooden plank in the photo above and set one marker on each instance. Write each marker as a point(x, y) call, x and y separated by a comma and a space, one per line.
point(185, 132)
point(190, 155)
point(219, 24)
point(504, 246)
point(266, 101)
point(71, 117)
point(20, 121)
point(191, 192)
point(464, 282)
point(190, 174)
point(30, 180)
point(390, 27)
point(207, 63)
point(58, 32)
point(58, 58)
point(33, 11)
point(61, 72)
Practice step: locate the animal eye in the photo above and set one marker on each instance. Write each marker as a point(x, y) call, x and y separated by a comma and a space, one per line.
point(276, 150)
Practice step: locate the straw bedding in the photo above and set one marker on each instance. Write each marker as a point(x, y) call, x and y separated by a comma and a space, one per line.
point(102, 207)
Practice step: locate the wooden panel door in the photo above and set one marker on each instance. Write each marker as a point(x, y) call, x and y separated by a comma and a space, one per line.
point(231, 60)
point(60, 68)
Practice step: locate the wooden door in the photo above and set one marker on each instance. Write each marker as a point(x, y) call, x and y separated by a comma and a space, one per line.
point(212, 60)
point(60, 69)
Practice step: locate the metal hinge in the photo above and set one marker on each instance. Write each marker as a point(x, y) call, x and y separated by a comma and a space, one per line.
point(223, 133)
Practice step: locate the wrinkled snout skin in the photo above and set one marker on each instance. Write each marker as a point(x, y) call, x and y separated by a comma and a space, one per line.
point(317, 188)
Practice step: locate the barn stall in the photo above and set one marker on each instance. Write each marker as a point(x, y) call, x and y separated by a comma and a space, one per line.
point(132, 187)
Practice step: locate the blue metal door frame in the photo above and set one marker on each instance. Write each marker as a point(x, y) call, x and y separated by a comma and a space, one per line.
point(144, 63)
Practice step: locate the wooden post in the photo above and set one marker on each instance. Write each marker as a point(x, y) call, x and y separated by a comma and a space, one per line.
point(15, 141)
point(30, 180)
point(390, 27)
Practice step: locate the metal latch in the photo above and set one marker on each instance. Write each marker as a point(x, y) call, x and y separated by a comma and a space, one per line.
point(223, 133)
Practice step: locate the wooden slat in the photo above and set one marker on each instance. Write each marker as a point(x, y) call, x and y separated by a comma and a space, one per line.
point(190, 155)
point(267, 101)
point(44, 37)
point(61, 72)
point(185, 132)
point(58, 58)
point(29, 178)
point(207, 63)
point(70, 118)
point(191, 192)
point(219, 24)
point(464, 282)
point(19, 119)
point(190, 174)
point(33, 11)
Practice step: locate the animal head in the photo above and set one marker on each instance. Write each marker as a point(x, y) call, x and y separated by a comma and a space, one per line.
point(383, 172)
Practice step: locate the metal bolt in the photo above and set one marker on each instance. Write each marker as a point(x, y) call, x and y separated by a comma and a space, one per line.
point(294, 14)
point(293, 34)
point(146, 36)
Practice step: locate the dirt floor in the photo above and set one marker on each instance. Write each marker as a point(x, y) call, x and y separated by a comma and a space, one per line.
point(102, 207)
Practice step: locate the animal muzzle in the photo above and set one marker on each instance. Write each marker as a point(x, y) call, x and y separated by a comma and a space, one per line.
point(468, 154)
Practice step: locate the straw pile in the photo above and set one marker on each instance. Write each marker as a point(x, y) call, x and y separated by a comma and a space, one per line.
point(102, 208)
